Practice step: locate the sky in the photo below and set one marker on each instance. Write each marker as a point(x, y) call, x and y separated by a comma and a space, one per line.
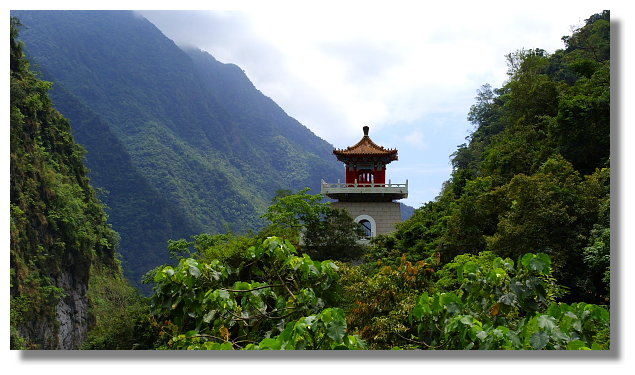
point(409, 72)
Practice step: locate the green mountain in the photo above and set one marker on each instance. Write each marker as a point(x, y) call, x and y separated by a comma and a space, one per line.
point(58, 229)
point(178, 142)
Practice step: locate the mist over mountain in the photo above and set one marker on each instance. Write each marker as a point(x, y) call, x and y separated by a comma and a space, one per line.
point(178, 142)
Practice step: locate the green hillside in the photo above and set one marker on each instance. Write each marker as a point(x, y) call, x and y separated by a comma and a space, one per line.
point(179, 142)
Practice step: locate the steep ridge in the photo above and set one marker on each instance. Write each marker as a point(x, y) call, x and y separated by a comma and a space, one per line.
point(58, 227)
point(292, 149)
point(133, 205)
point(181, 142)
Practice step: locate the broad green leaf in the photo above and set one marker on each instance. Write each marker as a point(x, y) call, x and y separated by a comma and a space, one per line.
point(537, 262)
point(539, 340)
point(470, 268)
point(269, 344)
point(192, 266)
point(166, 271)
point(226, 346)
point(451, 302)
point(309, 321)
point(241, 285)
point(194, 271)
point(515, 339)
point(191, 333)
point(223, 294)
point(210, 345)
point(209, 316)
point(482, 335)
point(507, 299)
point(546, 322)
point(422, 308)
point(467, 320)
point(506, 264)
point(596, 346)
point(336, 329)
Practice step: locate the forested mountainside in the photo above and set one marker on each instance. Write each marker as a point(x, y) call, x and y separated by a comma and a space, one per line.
point(59, 233)
point(535, 173)
point(179, 142)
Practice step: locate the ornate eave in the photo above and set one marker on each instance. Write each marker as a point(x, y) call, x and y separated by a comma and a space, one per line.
point(365, 148)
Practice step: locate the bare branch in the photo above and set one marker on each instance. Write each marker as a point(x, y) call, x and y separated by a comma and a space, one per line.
point(253, 289)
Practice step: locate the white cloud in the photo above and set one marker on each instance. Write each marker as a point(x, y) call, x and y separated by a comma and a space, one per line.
point(415, 138)
point(341, 65)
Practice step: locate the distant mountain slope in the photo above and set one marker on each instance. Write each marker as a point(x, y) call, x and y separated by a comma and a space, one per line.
point(182, 142)
point(292, 149)
point(132, 202)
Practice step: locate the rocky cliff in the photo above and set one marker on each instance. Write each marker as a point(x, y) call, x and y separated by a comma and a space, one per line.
point(58, 227)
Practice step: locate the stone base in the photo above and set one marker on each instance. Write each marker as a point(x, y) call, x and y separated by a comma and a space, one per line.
point(384, 214)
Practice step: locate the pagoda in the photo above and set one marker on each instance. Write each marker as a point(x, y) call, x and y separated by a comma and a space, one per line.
point(365, 193)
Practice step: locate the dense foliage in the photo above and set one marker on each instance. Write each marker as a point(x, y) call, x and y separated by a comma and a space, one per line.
point(378, 298)
point(273, 299)
point(260, 294)
point(507, 306)
point(58, 227)
point(120, 313)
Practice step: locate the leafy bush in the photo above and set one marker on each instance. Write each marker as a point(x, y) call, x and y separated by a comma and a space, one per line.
point(378, 299)
point(214, 305)
point(503, 306)
point(323, 331)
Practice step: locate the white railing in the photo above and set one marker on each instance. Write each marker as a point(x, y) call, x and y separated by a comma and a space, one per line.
point(343, 185)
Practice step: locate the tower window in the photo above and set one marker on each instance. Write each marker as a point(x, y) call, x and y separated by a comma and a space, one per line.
point(368, 224)
point(368, 229)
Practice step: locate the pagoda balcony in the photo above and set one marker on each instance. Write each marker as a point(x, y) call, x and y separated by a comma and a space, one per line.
point(364, 191)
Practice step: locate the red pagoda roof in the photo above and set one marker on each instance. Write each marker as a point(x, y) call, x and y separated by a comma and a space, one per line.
point(366, 147)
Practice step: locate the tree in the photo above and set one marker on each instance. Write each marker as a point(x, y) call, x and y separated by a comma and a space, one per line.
point(289, 213)
point(582, 130)
point(378, 298)
point(334, 236)
point(535, 172)
point(553, 211)
point(120, 313)
point(314, 226)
